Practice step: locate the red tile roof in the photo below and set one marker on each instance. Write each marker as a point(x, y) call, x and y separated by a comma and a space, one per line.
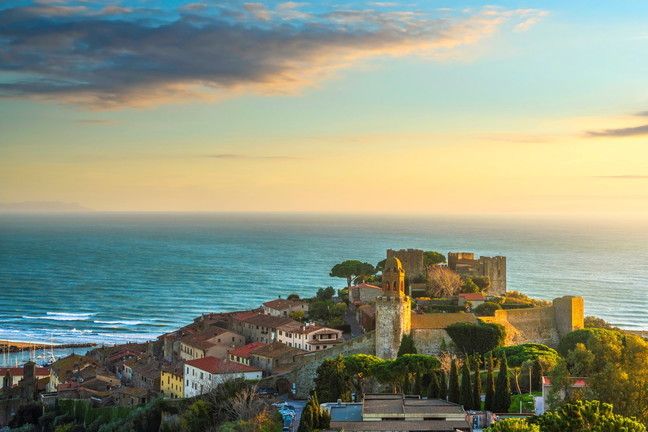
point(282, 304)
point(18, 371)
point(217, 366)
point(246, 350)
point(366, 285)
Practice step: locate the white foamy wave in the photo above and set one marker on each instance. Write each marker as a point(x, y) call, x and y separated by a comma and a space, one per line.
point(118, 322)
point(61, 316)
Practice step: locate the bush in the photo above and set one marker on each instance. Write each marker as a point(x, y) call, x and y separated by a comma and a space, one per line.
point(476, 338)
point(487, 309)
point(513, 425)
point(569, 341)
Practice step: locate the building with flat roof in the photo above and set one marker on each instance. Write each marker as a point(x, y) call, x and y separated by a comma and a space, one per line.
point(397, 412)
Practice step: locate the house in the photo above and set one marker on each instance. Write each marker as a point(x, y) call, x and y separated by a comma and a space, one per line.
point(72, 367)
point(203, 374)
point(364, 293)
point(131, 396)
point(146, 375)
point(397, 412)
point(309, 337)
point(16, 374)
point(275, 356)
point(475, 299)
point(260, 327)
point(212, 342)
point(283, 307)
point(172, 381)
point(243, 354)
point(576, 385)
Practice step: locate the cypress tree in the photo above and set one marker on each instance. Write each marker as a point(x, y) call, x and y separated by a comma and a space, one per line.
point(502, 400)
point(433, 388)
point(453, 388)
point(477, 387)
point(536, 378)
point(490, 385)
point(443, 386)
point(466, 396)
point(406, 346)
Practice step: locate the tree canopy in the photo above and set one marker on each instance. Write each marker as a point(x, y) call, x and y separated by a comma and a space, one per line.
point(352, 269)
point(476, 338)
point(518, 355)
point(433, 257)
point(586, 416)
point(443, 282)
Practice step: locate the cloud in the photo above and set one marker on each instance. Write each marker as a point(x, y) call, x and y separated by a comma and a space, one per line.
point(235, 156)
point(642, 114)
point(620, 132)
point(90, 121)
point(75, 54)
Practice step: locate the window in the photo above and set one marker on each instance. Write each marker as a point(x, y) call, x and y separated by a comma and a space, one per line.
point(233, 338)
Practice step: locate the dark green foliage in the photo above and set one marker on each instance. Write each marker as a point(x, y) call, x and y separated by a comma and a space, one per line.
point(477, 386)
point(198, 417)
point(487, 309)
point(476, 338)
point(327, 312)
point(517, 355)
point(434, 388)
point(358, 368)
point(432, 257)
point(406, 345)
point(502, 398)
point(490, 385)
point(27, 414)
point(586, 416)
point(469, 286)
point(596, 322)
point(313, 417)
point(483, 282)
point(332, 381)
point(453, 387)
point(465, 394)
point(536, 375)
point(351, 269)
point(443, 385)
point(325, 293)
point(293, 296)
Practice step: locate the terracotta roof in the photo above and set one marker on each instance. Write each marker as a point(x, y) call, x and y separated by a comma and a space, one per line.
point(217, 366)
point(246, 350)
point(276, 350)
point(282, 304)
point(268, 321)
point(366, 285)
point(299, 328)
point(472, 296)
point(18, 371)
point(203, 340)
point(243, 315)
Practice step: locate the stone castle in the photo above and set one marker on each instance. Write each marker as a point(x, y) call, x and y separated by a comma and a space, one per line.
point(464, 263)
point(395, 318)
point(494, 268)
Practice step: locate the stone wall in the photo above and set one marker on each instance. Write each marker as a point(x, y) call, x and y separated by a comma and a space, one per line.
point(428, 341)
point(495, 269)
point(541, 324)
point(412, 260)
point(304, 373)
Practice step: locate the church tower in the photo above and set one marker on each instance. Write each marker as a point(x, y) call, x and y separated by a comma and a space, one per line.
point(393, 310)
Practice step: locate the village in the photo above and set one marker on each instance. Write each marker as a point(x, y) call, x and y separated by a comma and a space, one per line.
point(412, 296)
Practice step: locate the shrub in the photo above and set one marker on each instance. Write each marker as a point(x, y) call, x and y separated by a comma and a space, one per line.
point(513, 425)
point(487, 309)
point(476, 338)
point(517, 355)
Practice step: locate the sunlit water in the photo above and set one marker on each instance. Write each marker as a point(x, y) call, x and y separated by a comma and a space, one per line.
point(115, 278)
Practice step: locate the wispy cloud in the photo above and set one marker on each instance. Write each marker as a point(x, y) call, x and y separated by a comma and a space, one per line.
point(620, 132)
point(112, 57)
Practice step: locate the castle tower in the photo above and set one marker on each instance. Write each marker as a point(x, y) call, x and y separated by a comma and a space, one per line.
point(393, 310)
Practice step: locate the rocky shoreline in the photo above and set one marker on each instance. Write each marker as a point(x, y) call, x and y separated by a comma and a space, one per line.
point(14, 346)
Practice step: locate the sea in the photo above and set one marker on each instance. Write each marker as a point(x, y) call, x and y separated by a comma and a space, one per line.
point(115, 277)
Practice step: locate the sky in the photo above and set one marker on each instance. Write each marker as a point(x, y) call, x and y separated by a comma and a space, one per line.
point(430, 107)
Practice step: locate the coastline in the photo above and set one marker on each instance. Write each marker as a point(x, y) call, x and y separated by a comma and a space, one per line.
point(19, 346)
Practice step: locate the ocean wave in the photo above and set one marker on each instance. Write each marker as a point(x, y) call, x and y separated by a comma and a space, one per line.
point(61, 316)
point(120, 322)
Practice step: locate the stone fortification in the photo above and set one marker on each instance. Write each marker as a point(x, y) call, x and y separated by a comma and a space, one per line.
point(466, 264)
point(413, 261)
